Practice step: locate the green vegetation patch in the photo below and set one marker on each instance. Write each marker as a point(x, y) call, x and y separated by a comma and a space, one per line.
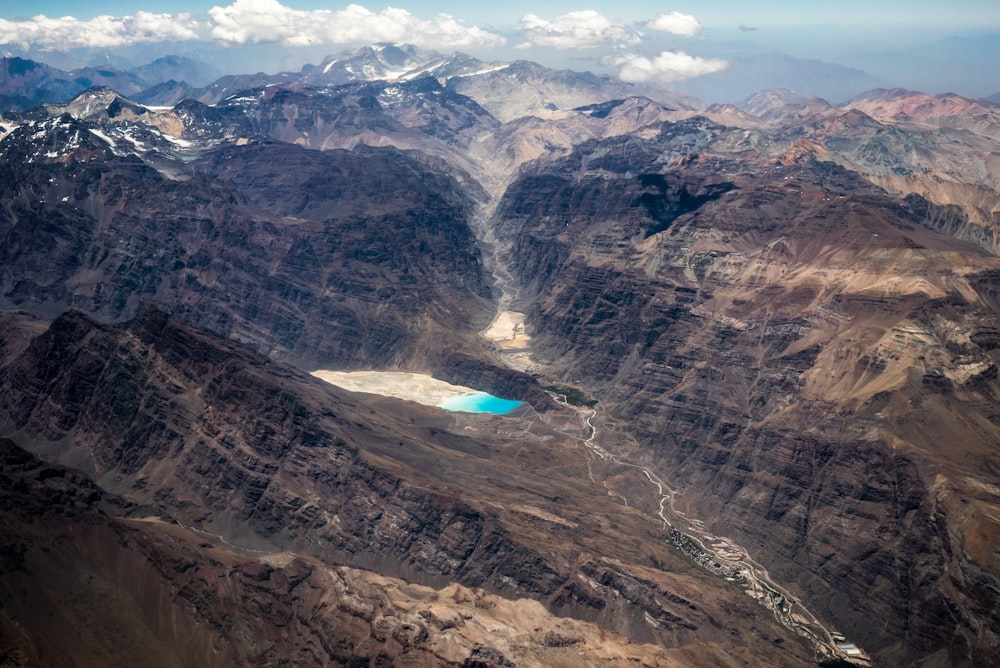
point(573, 396)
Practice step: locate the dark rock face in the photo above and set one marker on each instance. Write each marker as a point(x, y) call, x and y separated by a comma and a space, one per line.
point(87, 578)
point(338, 259)
point(175, 431)
point(195, 427)
point(746, 336)
point(335, 258)
point(216, 438)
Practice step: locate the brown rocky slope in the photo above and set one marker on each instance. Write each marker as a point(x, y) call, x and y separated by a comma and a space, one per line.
point(197, 429)
point(338, 259)
point(802, 356)
point(806, 362)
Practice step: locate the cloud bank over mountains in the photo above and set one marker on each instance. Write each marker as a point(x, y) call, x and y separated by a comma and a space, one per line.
point(685, 25)
point(575, 30)
point(101, 32)
point(248, 22)
point(267, 21)
point(666, 67)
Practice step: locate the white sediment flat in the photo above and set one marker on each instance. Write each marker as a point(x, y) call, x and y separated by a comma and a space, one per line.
point(418, 387)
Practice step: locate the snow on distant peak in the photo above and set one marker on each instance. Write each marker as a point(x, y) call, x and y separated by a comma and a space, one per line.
point(101, 135)
point(7, 127)
point(391, 95)
point(485, 70)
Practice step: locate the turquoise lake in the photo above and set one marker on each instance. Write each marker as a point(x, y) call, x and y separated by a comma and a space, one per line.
point(479, 402)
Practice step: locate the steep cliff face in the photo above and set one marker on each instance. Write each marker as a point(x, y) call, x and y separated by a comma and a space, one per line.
point(799, 353)
point(195, 428)
point(337, 258)
point(87, 578)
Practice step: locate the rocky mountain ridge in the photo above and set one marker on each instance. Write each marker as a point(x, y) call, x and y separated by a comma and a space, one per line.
point(784, 316)
point(230, 607)
point(759, 329)
point(270, 459)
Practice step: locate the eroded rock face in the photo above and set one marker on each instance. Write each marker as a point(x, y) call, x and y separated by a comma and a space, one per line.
point(333, 259)
point(805, 358)
point(206, 427)
point(202, 431)
point(811, 363)
point(159, 594)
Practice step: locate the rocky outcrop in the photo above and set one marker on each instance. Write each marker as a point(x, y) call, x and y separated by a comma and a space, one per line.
point(338, 260)
point(87, 578)
point(778, 339)
point(225, 441)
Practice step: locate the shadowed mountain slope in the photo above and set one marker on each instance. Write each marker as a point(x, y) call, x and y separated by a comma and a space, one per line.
point(804, 357)
point(338, 259)
point(777, 327)
point(201, 431)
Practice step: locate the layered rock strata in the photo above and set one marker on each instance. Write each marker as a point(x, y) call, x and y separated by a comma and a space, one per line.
point(803, 357)
point(198, 430)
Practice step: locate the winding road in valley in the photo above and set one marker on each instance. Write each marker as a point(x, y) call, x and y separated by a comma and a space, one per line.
point(736, 563)
point(718, 555)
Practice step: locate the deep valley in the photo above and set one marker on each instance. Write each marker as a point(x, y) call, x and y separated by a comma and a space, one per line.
point(757, 350)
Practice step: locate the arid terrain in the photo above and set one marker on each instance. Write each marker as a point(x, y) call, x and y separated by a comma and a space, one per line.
point(757, 348)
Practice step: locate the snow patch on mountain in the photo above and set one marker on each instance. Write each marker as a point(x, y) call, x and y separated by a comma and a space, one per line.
point(101, 135)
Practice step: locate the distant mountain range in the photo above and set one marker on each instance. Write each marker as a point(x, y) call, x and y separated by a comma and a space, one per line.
point(748, 74)
point(168, 80)
point(757, 345)
point(25, 84)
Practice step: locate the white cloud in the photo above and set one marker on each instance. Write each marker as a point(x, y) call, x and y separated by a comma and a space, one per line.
point(677, 23)
point(265, 21)
point(574, 30)
point(250, 22)
point(666, 67)
point(68, 32)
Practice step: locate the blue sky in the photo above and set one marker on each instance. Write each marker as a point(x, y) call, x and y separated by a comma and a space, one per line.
point(641, 40)
point(715, 13)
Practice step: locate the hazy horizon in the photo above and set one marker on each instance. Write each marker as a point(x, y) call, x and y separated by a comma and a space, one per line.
point(716, 50)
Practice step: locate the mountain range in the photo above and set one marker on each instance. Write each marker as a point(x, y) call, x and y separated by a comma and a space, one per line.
point(756, 347)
